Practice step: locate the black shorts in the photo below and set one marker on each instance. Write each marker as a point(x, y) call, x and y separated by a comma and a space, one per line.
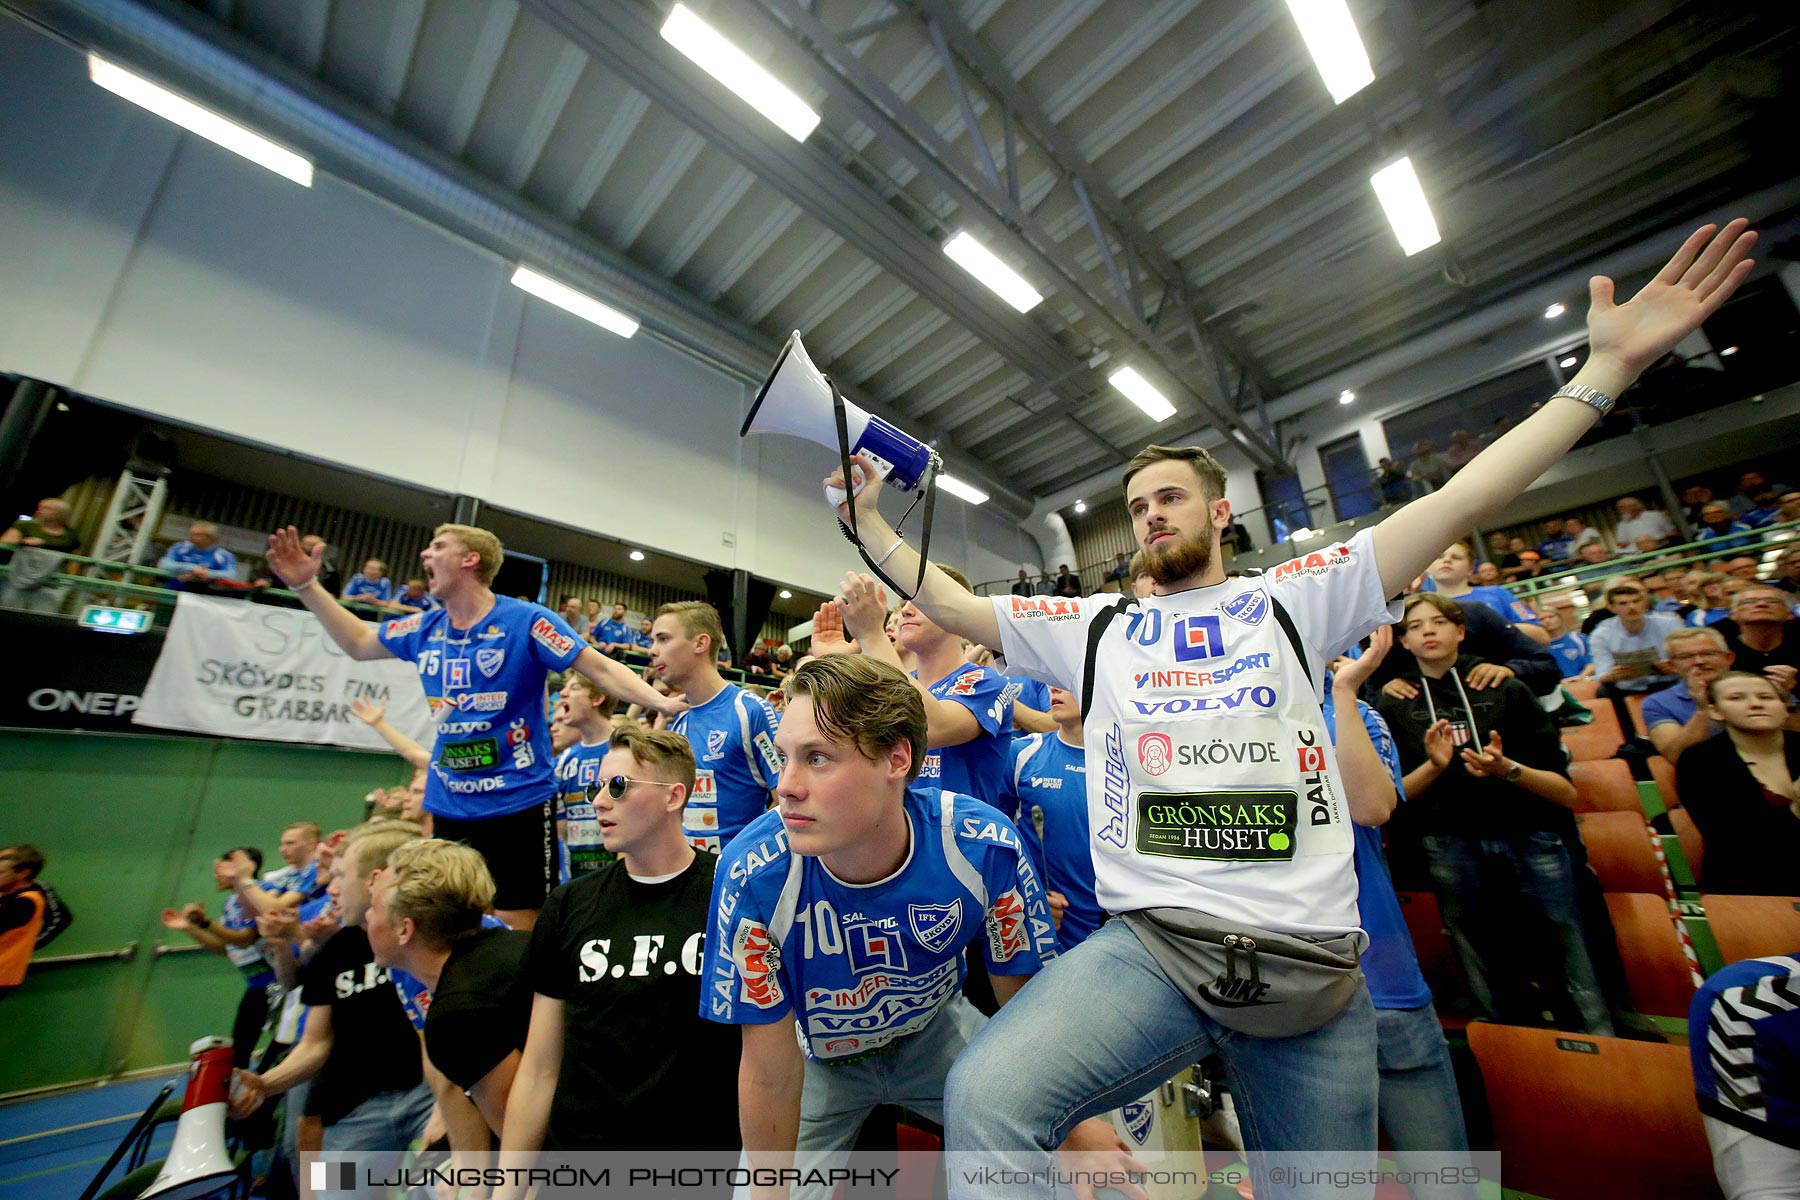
point(520, 849)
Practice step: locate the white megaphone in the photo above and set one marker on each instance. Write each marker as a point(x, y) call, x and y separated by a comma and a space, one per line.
point(800, 401)
point(198, 1163)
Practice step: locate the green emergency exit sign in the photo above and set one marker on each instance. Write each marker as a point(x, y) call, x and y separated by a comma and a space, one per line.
point(114, 620)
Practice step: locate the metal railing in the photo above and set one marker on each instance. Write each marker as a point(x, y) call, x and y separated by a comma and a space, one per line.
point(124, 953)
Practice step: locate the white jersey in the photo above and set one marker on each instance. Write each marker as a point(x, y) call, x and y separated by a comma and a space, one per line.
point(1211, 778)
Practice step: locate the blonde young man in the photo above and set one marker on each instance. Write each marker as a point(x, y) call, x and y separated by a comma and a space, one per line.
point(483, 660)
point(617, 1058)
point(731, 731)
point(1207, 668)
point(426, 918)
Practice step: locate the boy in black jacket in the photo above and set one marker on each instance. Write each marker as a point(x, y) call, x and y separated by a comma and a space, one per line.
point(1489, 794)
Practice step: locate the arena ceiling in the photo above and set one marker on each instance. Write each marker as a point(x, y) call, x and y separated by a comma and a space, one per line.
point(1172, 175)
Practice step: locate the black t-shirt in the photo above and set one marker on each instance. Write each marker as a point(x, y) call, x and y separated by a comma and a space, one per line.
point(481, 1009)
point(641, 1070)
point(1754, 661)
point(1752, 840)
point(373, 1047)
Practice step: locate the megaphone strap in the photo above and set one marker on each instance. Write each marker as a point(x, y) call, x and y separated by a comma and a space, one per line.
point(927, 490)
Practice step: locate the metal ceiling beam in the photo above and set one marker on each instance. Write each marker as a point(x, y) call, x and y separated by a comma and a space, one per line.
point(1028, 112)
point(186, 50)
point(985, 201)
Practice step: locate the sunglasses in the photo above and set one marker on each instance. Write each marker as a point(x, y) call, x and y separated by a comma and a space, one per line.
point(615, 787)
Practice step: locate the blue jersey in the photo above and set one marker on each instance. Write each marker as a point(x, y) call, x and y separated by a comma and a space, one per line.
point(858, 966)
point(1390, 963)
point(1049, 786)
point(486, 687)
point(1707, 616)
point(1571, 653)
point(641, 640)
point(1744, 1044)
point(303, 879)
point(608, 632)
point(362, 588)
point(1496, 598)
point(182, 556)
point(735, 764)
point(415, 997)
point(424, 603)
point(1028, 692)
point(578, 843)
point(247, 959)
point(978, 766)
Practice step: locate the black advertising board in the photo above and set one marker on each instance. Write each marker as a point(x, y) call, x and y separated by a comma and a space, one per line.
point(62, 676)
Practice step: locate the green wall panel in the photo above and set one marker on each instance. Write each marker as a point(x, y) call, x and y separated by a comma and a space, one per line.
point(130, 825)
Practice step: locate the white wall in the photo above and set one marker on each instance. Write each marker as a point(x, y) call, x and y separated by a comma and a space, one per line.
point(150, 269)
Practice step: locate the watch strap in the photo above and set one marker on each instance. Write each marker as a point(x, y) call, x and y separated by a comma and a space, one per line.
point(1594, 398)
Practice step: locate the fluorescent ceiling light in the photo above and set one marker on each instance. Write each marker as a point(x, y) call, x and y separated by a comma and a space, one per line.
point(1336, 48)
point(1728, 351)
point(961, 490)
point(1137, 389)
point(1568, 362)
point(1346, 397)
point(1554, 311)
point(1397, 185)
point(994, 275)
point(637, 556)
point(565, 297)
point(712, 53)
point(208, 124)
point(786, 595)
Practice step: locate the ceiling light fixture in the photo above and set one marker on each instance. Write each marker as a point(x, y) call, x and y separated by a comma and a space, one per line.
point(1346, 397)
point(713, 53)
point(1554, 311)
point(993, 274)
point(1567, 362)
point(1403, 200)
point(1336, 48)
point(1728, 351)
point(567, 298)
point(1080, 507)
point(637, 556)
point(1139, 391)
point(961, 490)
point(208, 124)
point(786, 595)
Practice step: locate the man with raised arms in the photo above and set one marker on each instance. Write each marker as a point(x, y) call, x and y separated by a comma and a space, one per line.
point(1212, 783)
point(483, 660)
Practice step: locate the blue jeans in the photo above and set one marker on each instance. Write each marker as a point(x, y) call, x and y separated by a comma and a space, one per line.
point(1510, 903)
point(1421, 1109)
point(380, 1130)
point(1102, 1025)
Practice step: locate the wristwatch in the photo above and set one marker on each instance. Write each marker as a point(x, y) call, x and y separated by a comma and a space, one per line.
point(1516, 773)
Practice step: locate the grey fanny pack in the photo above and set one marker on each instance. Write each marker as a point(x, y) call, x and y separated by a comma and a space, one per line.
point(1248, 979)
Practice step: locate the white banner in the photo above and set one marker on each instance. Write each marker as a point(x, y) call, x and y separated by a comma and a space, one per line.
point(236, 669)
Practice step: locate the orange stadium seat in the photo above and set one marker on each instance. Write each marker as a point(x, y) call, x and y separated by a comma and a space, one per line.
point(1634, 703)
point(1577, 1117)
point(1656, 968)
point(1618, 848)
point(1754, 926)
point(1604, 785)
point(1591, 743)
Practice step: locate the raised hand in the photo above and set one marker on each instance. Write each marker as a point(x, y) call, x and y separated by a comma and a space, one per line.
point(862, 608)
point(1690, 288)
point(868, 484)
point(1350, 674)
point(828, 635)
point(173, 919)
point(291, 564)
point(367, 711)
point(1439, 747)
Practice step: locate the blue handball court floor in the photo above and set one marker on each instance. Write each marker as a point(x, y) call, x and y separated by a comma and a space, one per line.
point(50, 1147)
